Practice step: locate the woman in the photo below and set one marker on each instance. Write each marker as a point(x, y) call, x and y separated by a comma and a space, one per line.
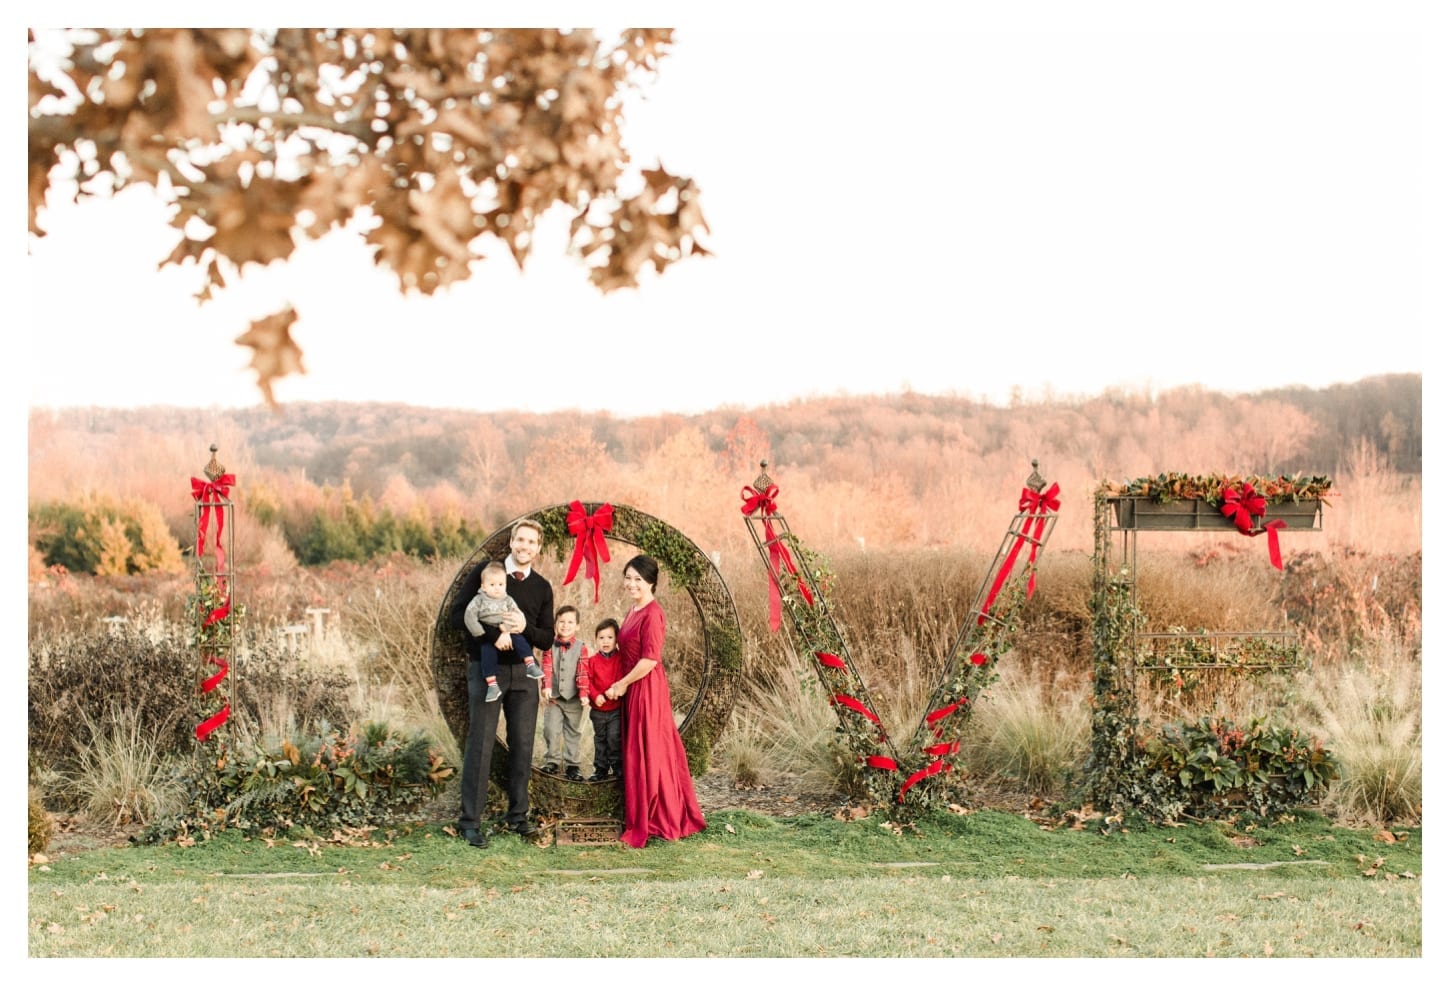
point(659, 796)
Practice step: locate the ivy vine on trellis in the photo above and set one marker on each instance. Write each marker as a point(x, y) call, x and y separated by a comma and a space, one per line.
point(1208, 766)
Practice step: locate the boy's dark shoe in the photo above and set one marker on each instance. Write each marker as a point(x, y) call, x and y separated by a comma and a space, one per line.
point(571, 774)
point(525, 828)
point(533, 671)
point(550, 768)
point(475, 838)
point(493, 693)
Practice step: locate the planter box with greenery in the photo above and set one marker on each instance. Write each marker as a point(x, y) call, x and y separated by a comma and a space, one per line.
point(1182, 502)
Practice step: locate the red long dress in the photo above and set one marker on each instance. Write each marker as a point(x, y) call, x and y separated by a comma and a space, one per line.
point(659, 796)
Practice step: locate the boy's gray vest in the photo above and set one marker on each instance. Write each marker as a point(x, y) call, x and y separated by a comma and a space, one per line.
point(566, 666)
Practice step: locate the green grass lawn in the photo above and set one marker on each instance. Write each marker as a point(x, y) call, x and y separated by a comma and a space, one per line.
point(986, 884)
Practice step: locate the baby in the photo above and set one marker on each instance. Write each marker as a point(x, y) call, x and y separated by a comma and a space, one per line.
point(482, 617)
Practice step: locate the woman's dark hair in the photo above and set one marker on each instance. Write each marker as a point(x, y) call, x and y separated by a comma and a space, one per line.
point(646, 568)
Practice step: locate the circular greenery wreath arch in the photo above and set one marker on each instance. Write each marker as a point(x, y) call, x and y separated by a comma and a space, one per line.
point(689, 569)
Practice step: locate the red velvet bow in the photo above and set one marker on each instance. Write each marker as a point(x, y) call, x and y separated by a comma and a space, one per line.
point(1036, 506)
point(1244, 506)
point(589, 546)
point(762, 500)
point(780, 558)
point(210, 495)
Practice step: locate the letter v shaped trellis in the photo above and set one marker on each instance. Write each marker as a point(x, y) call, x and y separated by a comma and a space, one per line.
point(908, 782)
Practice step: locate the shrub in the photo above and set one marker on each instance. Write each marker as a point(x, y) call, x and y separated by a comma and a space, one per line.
point(1031, 733)
point(117, 775)
point(369, 776)
point(42, 827)
point(1372, 715)
point(76, 678)
point(104, 536)
point(1213, 767)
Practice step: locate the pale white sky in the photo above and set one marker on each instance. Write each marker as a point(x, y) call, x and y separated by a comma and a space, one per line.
point(955, 206)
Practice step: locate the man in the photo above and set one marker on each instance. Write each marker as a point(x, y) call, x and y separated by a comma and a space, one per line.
point(520, 700)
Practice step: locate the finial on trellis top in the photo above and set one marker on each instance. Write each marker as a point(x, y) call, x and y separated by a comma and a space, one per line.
point(1035, 482)
point(763, 482)
point(214, 470)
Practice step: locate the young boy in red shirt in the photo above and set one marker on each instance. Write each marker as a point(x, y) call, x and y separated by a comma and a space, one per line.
point(604, 713)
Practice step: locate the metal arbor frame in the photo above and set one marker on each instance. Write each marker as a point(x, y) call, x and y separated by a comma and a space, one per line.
point(1132, 649)
point(215, 634)
point(906, 783)
point(690, 570)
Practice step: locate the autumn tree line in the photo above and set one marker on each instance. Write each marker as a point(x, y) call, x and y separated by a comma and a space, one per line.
point(109, 490)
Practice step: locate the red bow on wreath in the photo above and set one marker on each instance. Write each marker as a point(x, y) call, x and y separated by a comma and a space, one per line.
point(1244, 506)
point(210, 495)
point(589, 547)
point(764, 501)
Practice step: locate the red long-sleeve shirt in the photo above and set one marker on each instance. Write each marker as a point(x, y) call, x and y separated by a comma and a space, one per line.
point(597, 672)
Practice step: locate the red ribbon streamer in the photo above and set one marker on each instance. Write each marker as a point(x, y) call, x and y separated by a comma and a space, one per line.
point(881, 763)
point(208, 494)
point(589, 547)
point(830, 660)
point(220, 612)
point(932, 718)
point(206, 728)
point(1244, 506)
point(1036, 506)
point(856, 706)
point(935, 767)
point(780, 557)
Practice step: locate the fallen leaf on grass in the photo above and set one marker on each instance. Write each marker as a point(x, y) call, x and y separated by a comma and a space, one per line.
point(1384, 836)
point(729, 828)
point(754, 875)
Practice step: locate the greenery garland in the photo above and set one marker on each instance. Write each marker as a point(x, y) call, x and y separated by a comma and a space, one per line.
point(1209, 487)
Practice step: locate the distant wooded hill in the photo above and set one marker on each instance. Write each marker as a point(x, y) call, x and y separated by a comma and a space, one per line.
point(901, 466)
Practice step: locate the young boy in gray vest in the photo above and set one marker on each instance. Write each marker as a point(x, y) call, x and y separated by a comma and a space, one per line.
point(563, 706)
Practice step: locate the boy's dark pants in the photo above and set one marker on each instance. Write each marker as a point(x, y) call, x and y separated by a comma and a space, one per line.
point(608, 744)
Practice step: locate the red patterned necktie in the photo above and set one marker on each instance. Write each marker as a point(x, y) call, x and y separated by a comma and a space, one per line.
point(519, 576)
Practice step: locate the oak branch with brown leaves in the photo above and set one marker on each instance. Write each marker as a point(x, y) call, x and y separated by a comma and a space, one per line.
point(437, 137)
